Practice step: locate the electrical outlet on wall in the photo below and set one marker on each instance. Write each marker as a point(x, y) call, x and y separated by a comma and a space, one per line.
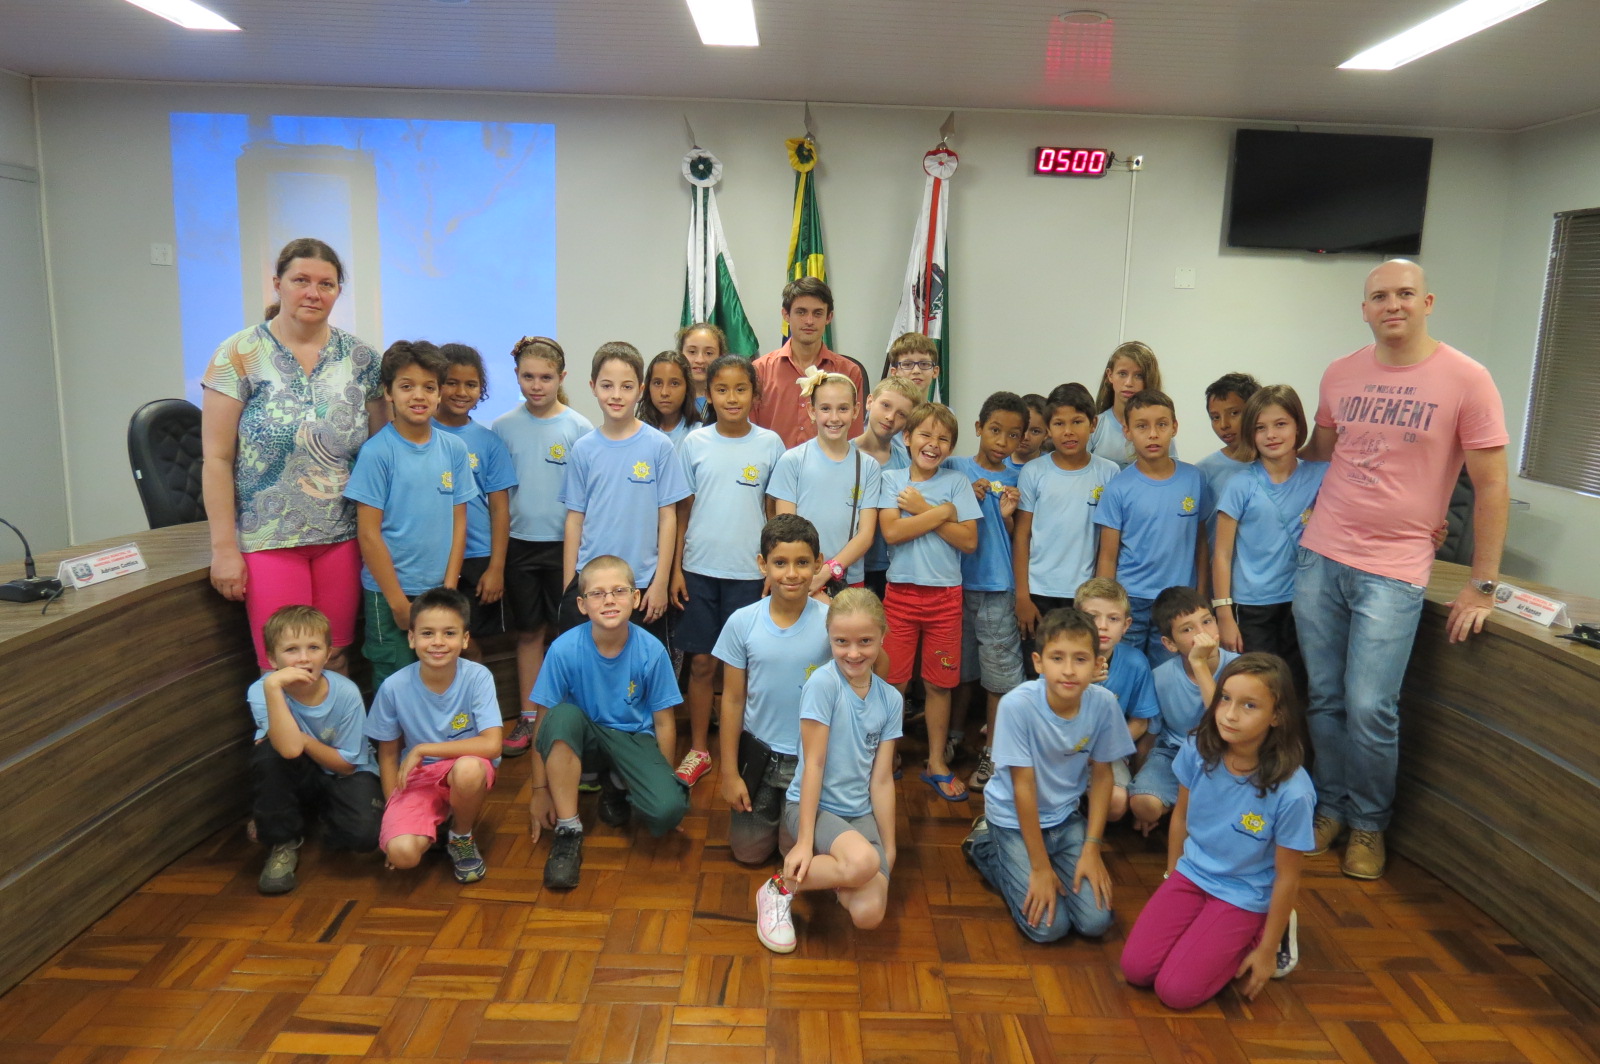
point(1183, 277)
point(163, 255)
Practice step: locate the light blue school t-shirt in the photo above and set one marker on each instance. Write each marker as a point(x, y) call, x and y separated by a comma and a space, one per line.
point(877, 559)
point(1062, 546)
point(338, 720)
point(989, 567)
point(620, 486)
point(928, 561)
point(405, 709)
point(1029, 734)
point(680, 432)
point(777, 662)
point(728, 476)
point(621, 693)
point(856, 726)
point(1128, 677)
point(1271, 518)
point(1219, 470)
point(539, 447)
point(1160, 521)
point(417, 486)
point(826, 493)
point(1109, 442)
point(1231, 851)
point(491, 470)
point(1179, 696)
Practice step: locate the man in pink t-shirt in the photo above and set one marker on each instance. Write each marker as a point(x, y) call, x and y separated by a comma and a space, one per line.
point(1396, 420)
point(807, 308)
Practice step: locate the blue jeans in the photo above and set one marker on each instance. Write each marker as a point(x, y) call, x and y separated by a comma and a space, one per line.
point(1142, 633)
point(1002, 858)
point(1356, 630)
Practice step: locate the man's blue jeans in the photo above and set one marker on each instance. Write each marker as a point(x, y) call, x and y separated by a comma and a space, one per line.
point(1356, 631)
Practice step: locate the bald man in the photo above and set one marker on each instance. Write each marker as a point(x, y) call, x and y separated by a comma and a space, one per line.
point(1396, 418)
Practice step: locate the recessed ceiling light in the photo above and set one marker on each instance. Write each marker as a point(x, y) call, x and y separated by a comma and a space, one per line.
point(1445, 28)
point(1083, 18)
point(186, 13)
point(725, 22)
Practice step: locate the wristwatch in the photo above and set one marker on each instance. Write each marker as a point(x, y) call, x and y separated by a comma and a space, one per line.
point(1483, 587)
point(835, 569)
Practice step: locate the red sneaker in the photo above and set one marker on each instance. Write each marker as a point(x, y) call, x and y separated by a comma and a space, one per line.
point(519, 741)
point(695, 763)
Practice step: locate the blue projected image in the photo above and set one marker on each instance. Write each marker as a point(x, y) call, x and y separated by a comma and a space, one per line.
point(447, 229)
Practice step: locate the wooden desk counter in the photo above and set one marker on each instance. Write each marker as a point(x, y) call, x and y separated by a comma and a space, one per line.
point(1499, 789)
point(122, 738)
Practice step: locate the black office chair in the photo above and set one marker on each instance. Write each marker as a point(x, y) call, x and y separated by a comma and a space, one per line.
point(164, 449)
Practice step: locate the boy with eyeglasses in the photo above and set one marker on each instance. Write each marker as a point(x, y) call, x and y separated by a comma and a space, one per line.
point(605, 693)
point(915, 358)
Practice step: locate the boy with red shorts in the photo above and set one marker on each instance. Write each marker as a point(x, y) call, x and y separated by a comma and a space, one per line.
point(437, 726)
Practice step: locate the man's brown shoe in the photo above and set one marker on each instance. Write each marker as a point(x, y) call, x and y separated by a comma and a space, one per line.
point(1327, 831)
point(1364, 857)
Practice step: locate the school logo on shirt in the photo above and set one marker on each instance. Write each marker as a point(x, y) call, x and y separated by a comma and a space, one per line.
point(1095, 493)
point(327, 735)
point(641, 473)
point(1305, 516)
point(1081, 745)
point(855, 495)
point(872, 739)
point(995, 485)
point(459, 721)
point(809, 670)
point(556, 455)
point(472, 459)
point(750, 476)
point(1254, 823)
point(633, 690)
point(447, 482)
point(1188, 504)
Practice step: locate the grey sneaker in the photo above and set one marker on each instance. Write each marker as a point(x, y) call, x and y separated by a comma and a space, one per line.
point(278, 875)
point(980, 827)
point(985, 771)
point(1288, 947)
point(952, 746)
point(565, 861)
point(465, 860)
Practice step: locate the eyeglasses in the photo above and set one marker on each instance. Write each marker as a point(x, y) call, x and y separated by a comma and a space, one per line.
point(924, 366)
point(601, 594)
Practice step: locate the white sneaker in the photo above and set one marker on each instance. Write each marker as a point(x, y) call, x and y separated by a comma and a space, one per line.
point(985, 772)
point(1288, 948)
point(774, 927)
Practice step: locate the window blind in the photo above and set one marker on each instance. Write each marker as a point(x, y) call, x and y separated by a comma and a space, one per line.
point(1561, 436)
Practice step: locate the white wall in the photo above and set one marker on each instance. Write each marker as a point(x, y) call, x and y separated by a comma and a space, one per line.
point(17, 144)
point(1559, 170)
point(1037, 262)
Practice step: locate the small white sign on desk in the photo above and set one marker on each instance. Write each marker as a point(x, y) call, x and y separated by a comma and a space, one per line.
point(1536, 608)
point(98, 568)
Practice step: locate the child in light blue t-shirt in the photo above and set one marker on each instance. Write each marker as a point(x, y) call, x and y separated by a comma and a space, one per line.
point(769, 649)
point(539, 436)
point(991, 645)
point(930, 518)
point(1262, 513)
point(1128, 677)
point(1184, 685)
point(1225, 401)
point(1151, 516)
point(890, 403)
point(727, 465)
point(839, 808)
point(411, 486)
point(621, 491)
point(483, 569)
point(1055, 741)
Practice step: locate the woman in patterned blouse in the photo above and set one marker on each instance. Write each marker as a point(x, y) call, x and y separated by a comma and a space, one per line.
point(287, 404)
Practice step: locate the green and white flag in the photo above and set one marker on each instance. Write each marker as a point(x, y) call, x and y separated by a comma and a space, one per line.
point(925, 296)
point(711, 292)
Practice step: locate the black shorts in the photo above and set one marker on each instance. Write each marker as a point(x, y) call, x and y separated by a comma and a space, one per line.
point(712, 600)
point(533, 585)
point(487, 619)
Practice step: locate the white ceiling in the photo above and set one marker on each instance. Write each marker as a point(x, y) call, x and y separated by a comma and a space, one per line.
point(1241, 59)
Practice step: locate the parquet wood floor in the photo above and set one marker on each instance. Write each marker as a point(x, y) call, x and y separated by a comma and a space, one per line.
point(654, 958)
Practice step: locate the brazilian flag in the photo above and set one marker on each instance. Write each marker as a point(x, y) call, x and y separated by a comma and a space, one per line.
point(806, 257)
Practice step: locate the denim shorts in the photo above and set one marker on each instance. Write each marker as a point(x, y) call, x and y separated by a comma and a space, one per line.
point(991, 644)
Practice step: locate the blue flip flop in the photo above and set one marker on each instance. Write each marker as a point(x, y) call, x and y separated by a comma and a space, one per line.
point(934, 781)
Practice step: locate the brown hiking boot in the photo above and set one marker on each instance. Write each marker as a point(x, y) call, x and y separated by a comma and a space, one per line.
point(1364, 856)
point(1327, 831)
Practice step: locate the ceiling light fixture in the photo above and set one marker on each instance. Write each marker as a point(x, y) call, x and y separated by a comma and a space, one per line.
point(730, 23)
point(1445, 28)
point(1083, 18)
point(186, 13)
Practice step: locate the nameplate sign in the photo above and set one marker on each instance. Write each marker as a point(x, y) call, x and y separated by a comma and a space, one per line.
point(98, 568)
point(1536, 608)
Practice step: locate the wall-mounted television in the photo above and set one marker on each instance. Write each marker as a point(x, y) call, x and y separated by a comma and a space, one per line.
point(1328, 192)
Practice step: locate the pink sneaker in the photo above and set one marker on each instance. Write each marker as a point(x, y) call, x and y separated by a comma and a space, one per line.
point(774, 927)
point(518, 742)
point(695, 763)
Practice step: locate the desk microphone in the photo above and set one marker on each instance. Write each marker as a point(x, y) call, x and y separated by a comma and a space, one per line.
point(30, 588)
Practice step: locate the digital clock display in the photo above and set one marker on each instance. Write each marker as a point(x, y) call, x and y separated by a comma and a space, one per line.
point(1071, 162)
